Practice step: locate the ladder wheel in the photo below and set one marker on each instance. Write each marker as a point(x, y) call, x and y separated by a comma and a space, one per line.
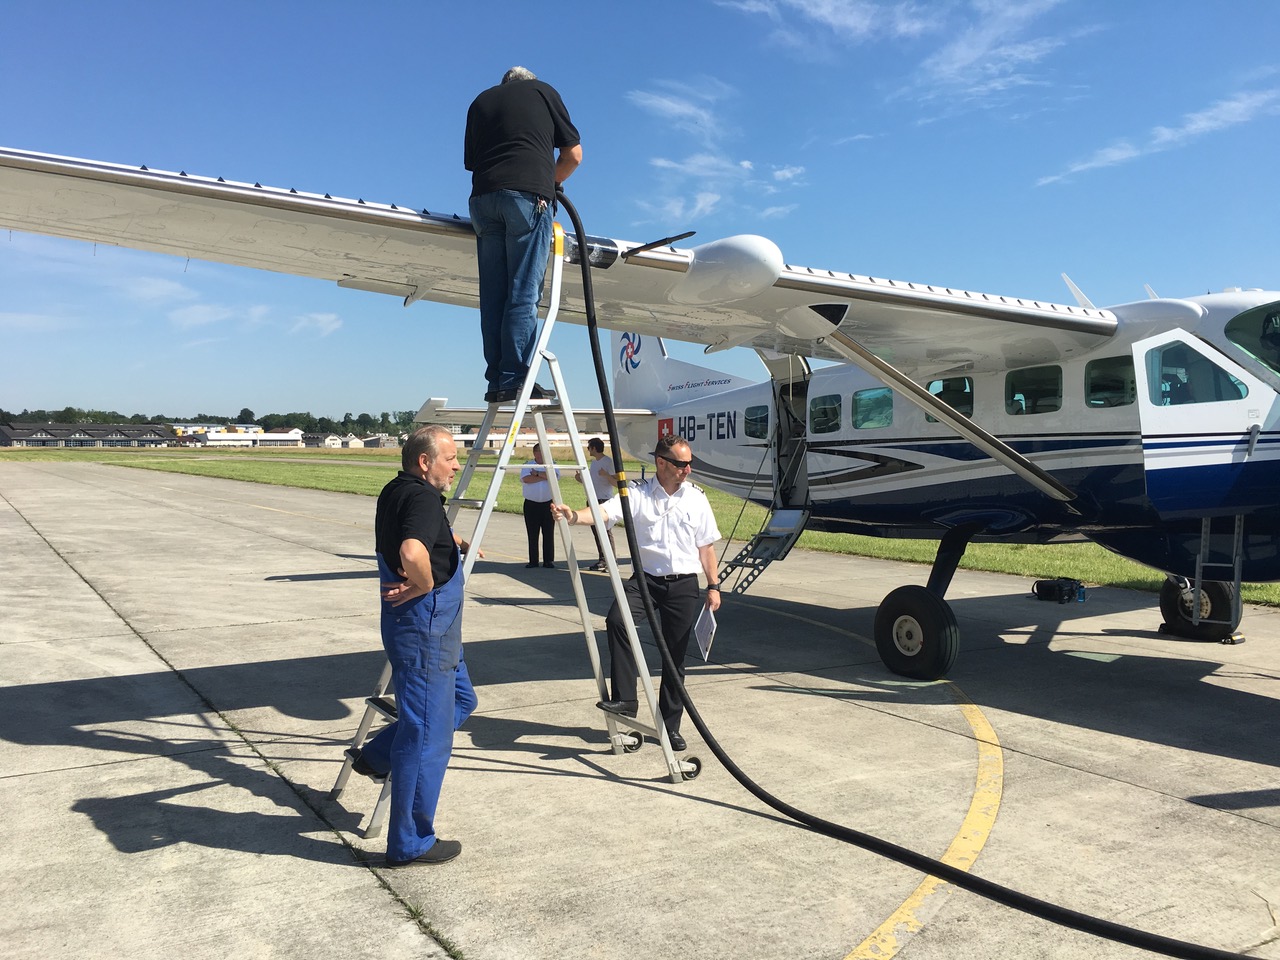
point(1215, 604)
point(635, 742)
point(690, 768)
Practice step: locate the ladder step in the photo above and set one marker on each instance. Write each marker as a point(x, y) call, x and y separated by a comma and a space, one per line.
point(468, 502)
point(385, 705)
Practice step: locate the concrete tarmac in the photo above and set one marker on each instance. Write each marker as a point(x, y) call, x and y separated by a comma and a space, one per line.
point(183, 661)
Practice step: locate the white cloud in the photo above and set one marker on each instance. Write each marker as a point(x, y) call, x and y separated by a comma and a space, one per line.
point(1241, 108)
point(320, 324)
point(787, 173)
point(705, 166)
point(1231, 112)
point(850, 20)
point(777, 213)
point(687, 106)
point(154, 290)
point(199, 315)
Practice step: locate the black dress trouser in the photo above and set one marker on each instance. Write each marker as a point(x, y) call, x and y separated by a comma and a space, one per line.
point(538, 519)
point(677, 603)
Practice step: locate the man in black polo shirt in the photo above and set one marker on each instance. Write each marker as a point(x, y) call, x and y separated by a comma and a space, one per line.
point(512, 131)
point(421, 573)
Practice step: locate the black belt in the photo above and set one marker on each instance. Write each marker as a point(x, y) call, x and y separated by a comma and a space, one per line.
point(669, 576)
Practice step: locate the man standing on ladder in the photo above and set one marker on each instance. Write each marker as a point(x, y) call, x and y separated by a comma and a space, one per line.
point(421, 573)
point(512, 131)
point(676, 532)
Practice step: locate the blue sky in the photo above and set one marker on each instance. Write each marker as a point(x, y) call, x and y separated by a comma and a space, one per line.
point(983, 144)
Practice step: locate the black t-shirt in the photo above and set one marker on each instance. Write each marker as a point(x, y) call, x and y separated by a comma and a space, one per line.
point(512, 131)
point(409, 508)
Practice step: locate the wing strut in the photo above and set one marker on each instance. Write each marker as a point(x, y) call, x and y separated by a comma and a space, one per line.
point(823, 329)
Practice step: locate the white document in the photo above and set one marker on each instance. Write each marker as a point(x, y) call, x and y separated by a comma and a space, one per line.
point(705, 630)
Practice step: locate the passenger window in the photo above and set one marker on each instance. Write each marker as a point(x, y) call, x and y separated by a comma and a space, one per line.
point(873, 408)
point(1109, 382)
point(956, 392)
point(1177, 374)
point(1033, 390)
point(756, 422)
point(824, 414)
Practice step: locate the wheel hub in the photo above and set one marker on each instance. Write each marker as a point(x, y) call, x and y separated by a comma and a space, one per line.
point(908, 637)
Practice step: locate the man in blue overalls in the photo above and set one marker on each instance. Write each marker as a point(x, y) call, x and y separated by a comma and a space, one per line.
point(421, 574)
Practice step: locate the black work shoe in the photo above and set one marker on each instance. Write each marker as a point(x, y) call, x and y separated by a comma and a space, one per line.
point(676, 741)
point(491, 396)
point(503, 396)
point(549, 566)
point(623, 708)
point(361, 766)
point(540, 392)
point(442, 851)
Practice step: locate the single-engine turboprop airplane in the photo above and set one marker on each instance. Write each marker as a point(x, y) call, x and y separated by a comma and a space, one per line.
point(1149, 427)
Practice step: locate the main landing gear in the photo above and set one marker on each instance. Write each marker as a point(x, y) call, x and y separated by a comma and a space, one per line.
point(1212, 616)
point(915, 632)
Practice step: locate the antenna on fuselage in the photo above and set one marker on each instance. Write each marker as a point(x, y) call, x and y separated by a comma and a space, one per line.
point(1078, 294)
point(1151, 294)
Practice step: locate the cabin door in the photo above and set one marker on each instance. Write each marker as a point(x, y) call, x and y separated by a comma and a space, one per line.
point(1210, 436)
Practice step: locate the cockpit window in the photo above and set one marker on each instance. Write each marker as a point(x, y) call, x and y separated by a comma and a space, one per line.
point(1178, 374)
point(1257, 332)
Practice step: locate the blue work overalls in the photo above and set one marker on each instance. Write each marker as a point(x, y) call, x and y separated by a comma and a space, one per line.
point(423, 639)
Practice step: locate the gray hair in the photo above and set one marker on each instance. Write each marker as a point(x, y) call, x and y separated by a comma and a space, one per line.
point(423, 440)
point(518, 73)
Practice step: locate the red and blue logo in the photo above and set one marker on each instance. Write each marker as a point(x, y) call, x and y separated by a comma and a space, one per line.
point(629, 357)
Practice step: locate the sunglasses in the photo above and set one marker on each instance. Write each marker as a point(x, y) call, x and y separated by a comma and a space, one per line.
point(678, 464)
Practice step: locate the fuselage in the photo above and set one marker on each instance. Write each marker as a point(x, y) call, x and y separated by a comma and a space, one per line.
point(1173, 420)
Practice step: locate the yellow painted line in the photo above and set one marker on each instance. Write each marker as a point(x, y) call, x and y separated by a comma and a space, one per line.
point(891, 936)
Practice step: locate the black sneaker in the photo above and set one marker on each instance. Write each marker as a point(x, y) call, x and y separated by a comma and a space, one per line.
point(361, 766)
point(442, 851)
point(541, 393)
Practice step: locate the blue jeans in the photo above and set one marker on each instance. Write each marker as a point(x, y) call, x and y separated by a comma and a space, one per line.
point(423, 639)
point(513, 241)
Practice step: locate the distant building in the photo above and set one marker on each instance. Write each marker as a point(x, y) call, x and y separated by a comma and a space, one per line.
point(329, 441)
point(250, 435)
point(352, 441)
point(85, 435)
point(381, 440)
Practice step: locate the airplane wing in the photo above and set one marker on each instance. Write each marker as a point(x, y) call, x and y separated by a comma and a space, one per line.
point(730, 292)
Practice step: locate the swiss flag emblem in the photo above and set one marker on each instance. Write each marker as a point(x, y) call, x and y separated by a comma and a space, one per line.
point(666, 427)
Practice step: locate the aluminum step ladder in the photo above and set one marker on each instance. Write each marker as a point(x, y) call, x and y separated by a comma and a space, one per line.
point(773, 542)
point(625, 735)
point(1231, 566)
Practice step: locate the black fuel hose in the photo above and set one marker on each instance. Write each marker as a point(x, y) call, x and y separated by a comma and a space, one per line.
point(965, 880)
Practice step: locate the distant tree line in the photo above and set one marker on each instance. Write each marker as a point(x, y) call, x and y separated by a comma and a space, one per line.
point(397, 421)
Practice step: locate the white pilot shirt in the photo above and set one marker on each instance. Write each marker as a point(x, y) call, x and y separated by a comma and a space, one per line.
point(669, 527)
point(540, 490)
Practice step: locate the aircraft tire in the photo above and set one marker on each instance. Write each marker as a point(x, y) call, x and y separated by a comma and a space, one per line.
point(916, 633)
point(1215, 604)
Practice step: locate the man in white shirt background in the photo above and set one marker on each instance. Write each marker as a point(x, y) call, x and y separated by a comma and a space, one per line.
point(604, 484)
